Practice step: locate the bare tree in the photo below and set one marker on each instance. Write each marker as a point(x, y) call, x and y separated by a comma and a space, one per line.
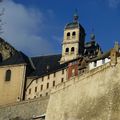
point(1, 20)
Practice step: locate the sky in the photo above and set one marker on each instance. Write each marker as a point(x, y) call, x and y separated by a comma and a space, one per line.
point(36, 27)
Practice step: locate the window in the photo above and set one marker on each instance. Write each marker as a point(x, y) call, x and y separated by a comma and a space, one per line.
point(40, 95)
point(53, 83)
point(73, 34)
point(35, 89)
point(67, 50)
point(95, 63)
point(62, 71)
point(42, 78)
point(48, 76)
point(30, 91)
point(41, 87)
point(8, 75)
point(68, 35)
point(0, 57)
point(47, 85)
point(73, 72)
point(54, 74)
point(62, 80)
point(72, 50)
point(36, 81)
point(46, 94)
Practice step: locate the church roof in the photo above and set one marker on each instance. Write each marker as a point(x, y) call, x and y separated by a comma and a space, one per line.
point(18, 58)
point(46, 65)
point(36, 66)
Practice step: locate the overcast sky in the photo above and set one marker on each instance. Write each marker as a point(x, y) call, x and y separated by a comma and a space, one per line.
point(36, 26)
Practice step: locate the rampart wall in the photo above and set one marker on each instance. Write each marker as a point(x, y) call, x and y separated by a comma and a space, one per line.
point(91, 96)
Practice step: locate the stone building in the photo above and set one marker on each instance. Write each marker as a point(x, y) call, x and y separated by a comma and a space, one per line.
point(24, 78)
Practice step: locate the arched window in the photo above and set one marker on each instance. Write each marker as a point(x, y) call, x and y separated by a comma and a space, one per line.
point(72, 50)
point(67, 50)
point(68, 35)
point(0, 57)
point(73, 34)
point(8, 75)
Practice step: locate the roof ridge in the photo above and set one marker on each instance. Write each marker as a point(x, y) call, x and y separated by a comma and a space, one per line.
point(45, 55)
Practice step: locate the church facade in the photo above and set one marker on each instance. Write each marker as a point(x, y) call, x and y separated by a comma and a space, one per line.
point(24, 78)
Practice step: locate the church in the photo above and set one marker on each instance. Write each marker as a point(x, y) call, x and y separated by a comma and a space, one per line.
point(23, 78)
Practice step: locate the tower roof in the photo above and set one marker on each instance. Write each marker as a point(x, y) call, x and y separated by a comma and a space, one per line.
point(75, 23)
point(72, 25)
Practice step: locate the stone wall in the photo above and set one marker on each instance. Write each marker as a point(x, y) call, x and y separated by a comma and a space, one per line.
point(24, 110)
point(92, 96)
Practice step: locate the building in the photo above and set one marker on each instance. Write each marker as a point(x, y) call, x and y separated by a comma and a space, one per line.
point(24, 78)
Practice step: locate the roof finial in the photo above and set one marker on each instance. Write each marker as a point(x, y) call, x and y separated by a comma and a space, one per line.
point(75, 19)
point(92, 36)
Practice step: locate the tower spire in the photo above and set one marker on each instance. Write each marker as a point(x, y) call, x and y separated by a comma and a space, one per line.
point(92, 36)
point(75, 17)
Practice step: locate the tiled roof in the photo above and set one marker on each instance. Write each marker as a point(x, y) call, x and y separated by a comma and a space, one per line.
point(46, 65)
point(36, 66)
point(19, 58)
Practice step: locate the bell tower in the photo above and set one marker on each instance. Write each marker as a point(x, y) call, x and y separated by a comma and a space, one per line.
point(73, 40)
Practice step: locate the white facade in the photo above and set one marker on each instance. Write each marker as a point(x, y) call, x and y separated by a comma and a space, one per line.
point(98, 63)
point(42, 86)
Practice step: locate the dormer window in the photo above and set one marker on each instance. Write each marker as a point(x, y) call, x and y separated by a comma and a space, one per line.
point(8, 75)
point(68, 35)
